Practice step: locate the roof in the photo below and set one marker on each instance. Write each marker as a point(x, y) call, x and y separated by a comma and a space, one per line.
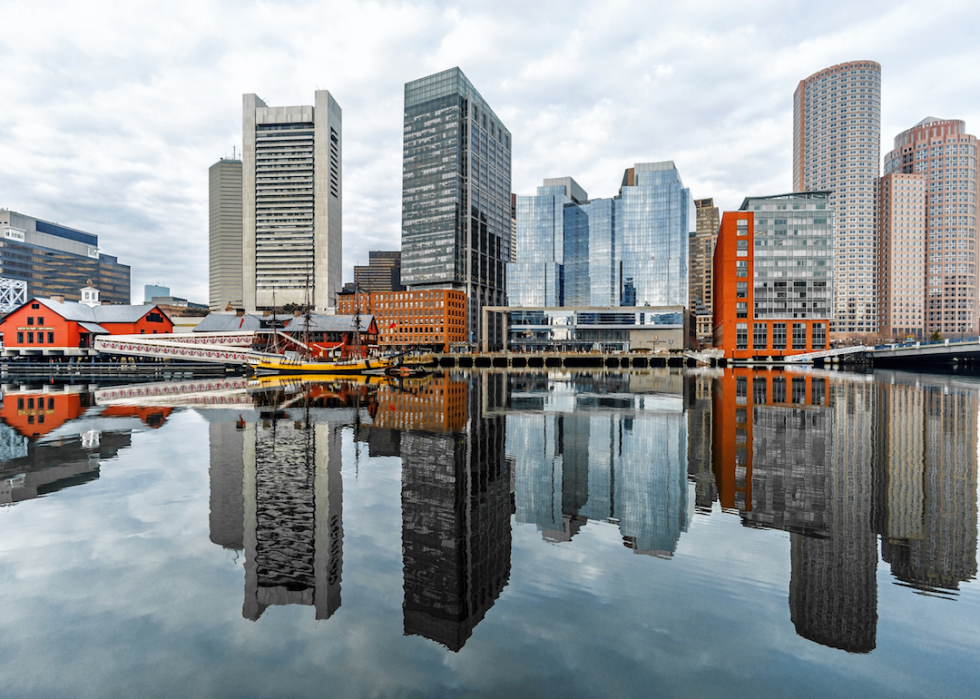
point(72, 310)
point(335, 324)
point(95, 328)
point(229, 322)
point(814, 194)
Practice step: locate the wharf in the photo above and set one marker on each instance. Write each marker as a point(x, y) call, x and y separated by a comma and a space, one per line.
point(114, 370)
point(563, 360)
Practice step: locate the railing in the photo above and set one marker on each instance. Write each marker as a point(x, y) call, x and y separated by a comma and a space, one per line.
point(822, 354)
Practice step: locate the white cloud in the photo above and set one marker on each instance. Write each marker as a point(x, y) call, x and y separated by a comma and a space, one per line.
point(113, 113)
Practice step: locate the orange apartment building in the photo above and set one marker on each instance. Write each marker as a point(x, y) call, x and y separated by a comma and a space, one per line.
point(754, 451)
point(433, 318)
point(774, 277)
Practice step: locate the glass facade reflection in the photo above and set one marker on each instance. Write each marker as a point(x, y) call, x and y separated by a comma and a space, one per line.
point(455, 193)
point(631, 250)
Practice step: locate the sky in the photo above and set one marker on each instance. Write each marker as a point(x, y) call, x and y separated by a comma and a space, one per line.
point(112, 112)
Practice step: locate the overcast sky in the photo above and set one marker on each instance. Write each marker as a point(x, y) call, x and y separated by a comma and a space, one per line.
point(112, 113)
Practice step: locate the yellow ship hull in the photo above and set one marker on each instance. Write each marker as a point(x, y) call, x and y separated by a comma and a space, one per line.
point(285, 365)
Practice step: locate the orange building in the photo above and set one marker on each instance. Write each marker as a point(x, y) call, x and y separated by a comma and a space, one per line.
point(773, 276)
point(438, 405)
point(433, 318)
point(752, 448)
point(49, 327)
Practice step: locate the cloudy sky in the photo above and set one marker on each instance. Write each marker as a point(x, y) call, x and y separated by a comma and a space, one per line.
point(113, 112)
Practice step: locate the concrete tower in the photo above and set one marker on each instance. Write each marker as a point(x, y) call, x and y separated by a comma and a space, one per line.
point(292, 198)
point(224, 235)
point(941, 224)
point(836, 146)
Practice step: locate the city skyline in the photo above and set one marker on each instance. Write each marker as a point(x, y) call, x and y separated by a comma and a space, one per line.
point(102, 147)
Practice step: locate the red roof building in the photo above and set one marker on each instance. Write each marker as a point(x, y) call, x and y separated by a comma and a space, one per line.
point(54, 327)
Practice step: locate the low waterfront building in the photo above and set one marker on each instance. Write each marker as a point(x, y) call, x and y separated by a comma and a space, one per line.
point(433, 318)
point(774, 277)
point(55, 260)
point(53, 327)
point(587, 328)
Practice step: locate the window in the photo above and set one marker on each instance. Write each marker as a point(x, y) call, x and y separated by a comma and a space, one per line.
point(741, 336)
point(758, 390)
point(779, 336)
point(741, 268)
point(741, 290)
point(819, 335)
point(742, 227)
point(30, 338)
point(40, 338)
point(742, 309)
point(778, 389)
point(799, 336)
point(40, 320)
point(30, 320)
point(20, 338)
point(760, 336)
point(35, 306)
point(50, 338)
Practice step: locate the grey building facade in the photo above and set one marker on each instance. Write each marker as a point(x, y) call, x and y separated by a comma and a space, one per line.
point(292, 196)
point(456, 179)
point(57, 260)
point(224, 235)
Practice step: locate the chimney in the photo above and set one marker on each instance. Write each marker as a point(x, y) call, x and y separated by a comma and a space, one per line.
point(266, 313)
point(239, 313)
point(297, 313)
point(59, 299)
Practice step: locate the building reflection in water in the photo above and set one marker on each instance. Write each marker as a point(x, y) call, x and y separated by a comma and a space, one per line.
point(836, 460)
point(456, 502)
point(55, 437)
point(611, 449)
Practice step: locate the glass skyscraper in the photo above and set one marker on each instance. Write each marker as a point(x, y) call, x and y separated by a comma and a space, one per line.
point(455, 193)
point(631, 250)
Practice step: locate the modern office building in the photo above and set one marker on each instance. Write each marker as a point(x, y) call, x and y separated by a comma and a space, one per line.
point(383, 272)
point(151, 291)
point(224, 235)
point(945, 156)
point(836, 148)
point(292, 194)
point(902, 260)
point(701, 254)
point(55, 260)
point(631, 250)
point(456, 194)
point(774, 276)
point(551, 265)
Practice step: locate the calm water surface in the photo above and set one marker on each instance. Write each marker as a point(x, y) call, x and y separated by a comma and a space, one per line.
point(728, 533)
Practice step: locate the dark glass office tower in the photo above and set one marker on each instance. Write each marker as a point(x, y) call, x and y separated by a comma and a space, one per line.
point(455, 194)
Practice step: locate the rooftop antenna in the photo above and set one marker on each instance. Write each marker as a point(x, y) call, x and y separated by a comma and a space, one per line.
point(233, 153)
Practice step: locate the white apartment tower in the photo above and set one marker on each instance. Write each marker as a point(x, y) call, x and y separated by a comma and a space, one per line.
point(836, 148)
point(291, 203)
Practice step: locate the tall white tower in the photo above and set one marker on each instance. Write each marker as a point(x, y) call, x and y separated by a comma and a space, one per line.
point(292, 199)
point(836, 148)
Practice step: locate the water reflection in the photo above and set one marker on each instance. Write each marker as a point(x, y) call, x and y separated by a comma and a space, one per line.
point(55, 437)
point(836, 461)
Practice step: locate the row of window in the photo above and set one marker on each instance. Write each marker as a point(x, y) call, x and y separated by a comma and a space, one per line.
point(760, 336)
point(30, 338)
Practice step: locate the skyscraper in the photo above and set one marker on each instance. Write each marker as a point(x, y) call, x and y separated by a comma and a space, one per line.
point(902, 257)
point(292, 198)
point(552, 256)
point(945, 156)
point(836, 146)
point(702, 250)
point(455, 194)
point(631, 250)
point(224, 235)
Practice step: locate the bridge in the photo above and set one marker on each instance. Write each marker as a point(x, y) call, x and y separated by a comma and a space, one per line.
point(906, 353)
point(215, 347)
